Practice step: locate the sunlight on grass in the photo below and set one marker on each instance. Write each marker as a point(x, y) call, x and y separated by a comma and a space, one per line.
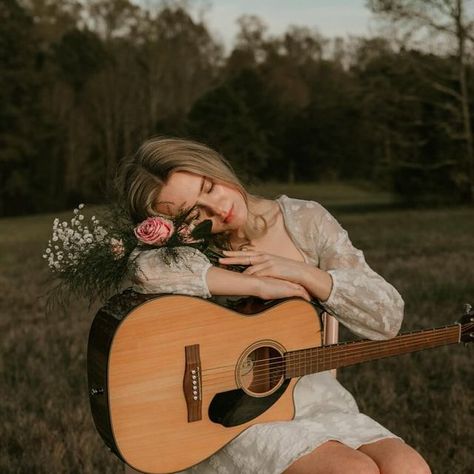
point(425, 397)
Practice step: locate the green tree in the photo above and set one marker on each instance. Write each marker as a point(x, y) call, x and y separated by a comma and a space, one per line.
point(448, 23)
point(25, 133)
point(231, 118)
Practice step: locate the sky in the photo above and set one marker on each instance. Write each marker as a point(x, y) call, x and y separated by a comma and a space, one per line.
point(330, 17)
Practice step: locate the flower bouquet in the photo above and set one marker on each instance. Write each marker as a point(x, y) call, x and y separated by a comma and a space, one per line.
point(93, 259)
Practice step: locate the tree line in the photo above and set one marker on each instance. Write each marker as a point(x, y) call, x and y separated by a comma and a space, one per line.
point(83, 83)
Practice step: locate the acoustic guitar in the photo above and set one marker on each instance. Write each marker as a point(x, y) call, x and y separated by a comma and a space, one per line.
point(173, 378)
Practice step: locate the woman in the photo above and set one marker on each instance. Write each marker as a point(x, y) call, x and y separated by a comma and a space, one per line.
point(292, 247)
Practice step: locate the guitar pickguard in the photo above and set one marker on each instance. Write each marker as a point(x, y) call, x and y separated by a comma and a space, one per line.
point(236, 407)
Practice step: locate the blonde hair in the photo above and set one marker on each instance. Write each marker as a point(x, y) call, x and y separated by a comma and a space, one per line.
point(141, 177)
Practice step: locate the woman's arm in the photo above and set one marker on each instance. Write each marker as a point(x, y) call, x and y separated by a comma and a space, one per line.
point(359, 297)
point(316, 281)
point(344, 283)
point(225, 282)
point(193, 274)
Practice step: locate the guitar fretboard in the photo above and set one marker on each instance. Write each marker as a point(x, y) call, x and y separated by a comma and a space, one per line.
point(317, 359)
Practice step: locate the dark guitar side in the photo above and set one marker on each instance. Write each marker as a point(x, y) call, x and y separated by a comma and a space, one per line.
point(101, 335)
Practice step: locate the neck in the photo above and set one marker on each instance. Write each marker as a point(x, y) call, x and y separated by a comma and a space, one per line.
point(317, 359)
point(258, 206)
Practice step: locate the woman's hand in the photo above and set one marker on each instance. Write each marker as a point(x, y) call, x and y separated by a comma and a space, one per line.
point(264, 264)
point(269, 288)
point(316, 282)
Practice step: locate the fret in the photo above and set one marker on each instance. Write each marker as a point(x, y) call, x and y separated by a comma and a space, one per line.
point(318, 359)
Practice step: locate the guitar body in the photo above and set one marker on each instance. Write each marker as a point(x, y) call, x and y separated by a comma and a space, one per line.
point(142, 350)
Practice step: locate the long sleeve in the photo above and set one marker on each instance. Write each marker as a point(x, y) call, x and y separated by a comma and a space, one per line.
point(360, 298)
point(186, 276)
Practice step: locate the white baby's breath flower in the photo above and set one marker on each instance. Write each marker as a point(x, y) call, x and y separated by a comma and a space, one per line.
point(71, 241)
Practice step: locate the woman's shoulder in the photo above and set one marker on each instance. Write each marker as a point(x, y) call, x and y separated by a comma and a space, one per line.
point(297, 205)
point(310, 217)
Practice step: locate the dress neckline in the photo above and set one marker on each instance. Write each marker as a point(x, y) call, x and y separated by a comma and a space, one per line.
point(280, 200)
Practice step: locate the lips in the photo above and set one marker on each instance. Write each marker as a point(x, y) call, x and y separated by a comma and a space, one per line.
point(229, 216)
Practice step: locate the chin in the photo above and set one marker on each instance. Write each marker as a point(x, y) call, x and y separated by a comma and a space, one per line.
point(238, 223)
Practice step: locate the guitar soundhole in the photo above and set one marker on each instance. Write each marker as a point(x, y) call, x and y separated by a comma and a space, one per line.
point(261, 369)
point(260, 373)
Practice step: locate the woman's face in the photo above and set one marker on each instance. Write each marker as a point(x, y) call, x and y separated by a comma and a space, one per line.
point(214, 201)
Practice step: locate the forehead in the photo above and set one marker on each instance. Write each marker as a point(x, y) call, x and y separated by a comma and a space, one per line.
point(182, 189)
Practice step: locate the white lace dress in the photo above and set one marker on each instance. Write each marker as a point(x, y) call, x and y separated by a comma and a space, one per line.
point(360, 299)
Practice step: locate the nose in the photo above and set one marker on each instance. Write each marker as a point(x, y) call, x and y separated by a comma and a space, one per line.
point(213, 209)
point(217, 212)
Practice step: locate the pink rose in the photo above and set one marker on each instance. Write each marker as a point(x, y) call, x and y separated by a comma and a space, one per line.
point(154, 230)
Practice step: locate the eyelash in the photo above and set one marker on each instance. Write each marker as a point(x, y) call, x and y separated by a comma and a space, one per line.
point(209, 190)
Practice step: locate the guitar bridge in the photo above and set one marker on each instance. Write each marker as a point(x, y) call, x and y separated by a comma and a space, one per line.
point(192, 385)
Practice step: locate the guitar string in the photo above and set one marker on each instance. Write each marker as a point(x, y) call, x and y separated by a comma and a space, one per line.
point(425, 332)
point(362, 345)
point(332, 358)
point(323, 352)
point(342, 351)
point(298, 364)
point(295, 367)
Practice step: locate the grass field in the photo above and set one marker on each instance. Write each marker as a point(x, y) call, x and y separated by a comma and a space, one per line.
point(427, 398)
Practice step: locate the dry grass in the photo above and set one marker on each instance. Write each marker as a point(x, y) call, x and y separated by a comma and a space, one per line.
point(427, 398)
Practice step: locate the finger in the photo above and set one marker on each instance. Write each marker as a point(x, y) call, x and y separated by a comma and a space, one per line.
point(234, 261)
point(301, 290)
point(298, 293)
point(241, 260)
point(304, 294)
point(237, 253)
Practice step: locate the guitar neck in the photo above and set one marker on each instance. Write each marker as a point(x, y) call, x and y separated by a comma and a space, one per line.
point(321, 358)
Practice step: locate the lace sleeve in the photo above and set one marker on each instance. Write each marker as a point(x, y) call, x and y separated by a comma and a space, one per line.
point(187, 276)
point(360, 298)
